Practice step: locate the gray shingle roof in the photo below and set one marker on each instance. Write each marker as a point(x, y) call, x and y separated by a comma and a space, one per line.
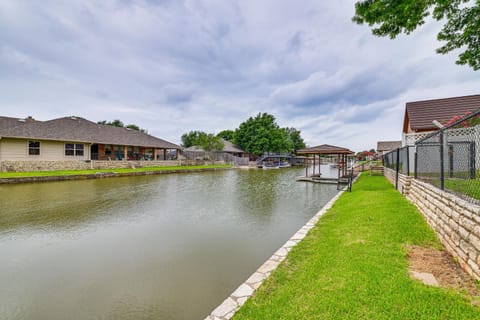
point(388, 145)
point(420, 114)
point(6, 122)
point(230, 147)
point(76, 129)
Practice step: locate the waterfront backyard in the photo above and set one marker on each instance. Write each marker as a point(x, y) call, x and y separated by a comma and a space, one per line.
point(150, 247)
point(354, 265)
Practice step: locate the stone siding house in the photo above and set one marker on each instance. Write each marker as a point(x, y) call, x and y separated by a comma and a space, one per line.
point(36, 144)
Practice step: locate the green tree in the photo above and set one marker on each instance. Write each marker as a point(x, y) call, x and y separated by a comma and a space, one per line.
point(210, 142)
point(228, 135)
point(119, 123)
point(193, 138)
point(460, 31)
point(133, 127)
point(262, 134)
point(295, 138)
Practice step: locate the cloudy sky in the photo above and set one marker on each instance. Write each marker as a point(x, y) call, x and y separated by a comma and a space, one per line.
point(172, 66)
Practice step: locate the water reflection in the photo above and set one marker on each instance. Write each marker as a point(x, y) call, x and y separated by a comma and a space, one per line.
point(157, 247)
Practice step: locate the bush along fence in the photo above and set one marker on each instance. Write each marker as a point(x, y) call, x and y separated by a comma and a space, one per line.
point(445, 185)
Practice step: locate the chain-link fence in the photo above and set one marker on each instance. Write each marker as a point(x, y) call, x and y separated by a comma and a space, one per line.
point(400, 160)
point(450, 158)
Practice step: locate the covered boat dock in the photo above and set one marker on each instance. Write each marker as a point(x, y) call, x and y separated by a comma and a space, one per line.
point(314, 156)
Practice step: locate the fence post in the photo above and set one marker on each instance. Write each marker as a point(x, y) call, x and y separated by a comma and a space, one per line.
point(408, 160)
point(450, 160)
point(415, 174)
point(472, 160)
point(442, 173)
point(397, 169)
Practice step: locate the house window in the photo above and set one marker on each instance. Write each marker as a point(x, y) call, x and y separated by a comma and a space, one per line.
point(33, 148)
point(72, 149)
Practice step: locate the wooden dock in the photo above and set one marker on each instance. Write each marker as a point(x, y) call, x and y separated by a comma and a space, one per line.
point(318, 179)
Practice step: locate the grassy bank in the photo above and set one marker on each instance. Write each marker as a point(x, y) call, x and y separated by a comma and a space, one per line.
point(93, 171)
point(353, 265)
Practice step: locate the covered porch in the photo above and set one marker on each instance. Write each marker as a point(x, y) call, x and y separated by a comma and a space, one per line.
point(126, 153)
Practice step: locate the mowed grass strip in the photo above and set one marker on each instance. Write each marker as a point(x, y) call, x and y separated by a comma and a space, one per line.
point(93, 171)
point(353, 265)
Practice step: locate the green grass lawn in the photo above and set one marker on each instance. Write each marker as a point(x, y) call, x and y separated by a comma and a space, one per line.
point(93, 171)
point(469, 187)
point(353, 265)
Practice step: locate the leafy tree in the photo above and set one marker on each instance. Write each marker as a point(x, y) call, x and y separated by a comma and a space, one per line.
point(115, 123)
point(193, 138)
point(262, 134)
point(210, 142)
point(460, 31)
point(119, 123)
point(133, 127)
point(227, 135)
point(295, 138)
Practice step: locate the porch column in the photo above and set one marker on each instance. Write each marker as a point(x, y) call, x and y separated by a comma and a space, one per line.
point(125, 153)
point(164, 154)
point(155, 154)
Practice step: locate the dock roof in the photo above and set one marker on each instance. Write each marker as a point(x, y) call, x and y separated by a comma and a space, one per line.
point(325, 149)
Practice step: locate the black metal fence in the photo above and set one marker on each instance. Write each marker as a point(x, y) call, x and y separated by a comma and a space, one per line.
point(400, 160)
point(448, 158)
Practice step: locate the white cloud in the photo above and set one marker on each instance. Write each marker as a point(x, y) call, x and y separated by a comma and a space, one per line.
point(175, 66)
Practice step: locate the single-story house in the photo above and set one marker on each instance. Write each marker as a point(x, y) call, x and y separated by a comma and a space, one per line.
point(228, 147)
point(387, 146)
point(419, 115)
point(75, 138)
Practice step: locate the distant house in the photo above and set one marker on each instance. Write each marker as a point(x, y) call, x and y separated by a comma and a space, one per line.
point(419, 115)
point(387, 146)
point(228, 147)
point(75, 138)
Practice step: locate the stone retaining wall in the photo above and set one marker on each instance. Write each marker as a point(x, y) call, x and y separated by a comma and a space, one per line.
point(24, 166)
point(455, 221)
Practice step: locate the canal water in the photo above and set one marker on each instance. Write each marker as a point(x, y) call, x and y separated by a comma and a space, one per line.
point(152, 247)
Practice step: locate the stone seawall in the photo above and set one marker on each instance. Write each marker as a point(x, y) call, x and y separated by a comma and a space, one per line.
point(29, 166)
point(455, 221)
point(102, 175)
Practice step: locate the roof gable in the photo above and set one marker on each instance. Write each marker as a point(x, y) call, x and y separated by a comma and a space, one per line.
point(388, 145)
point(420, 114)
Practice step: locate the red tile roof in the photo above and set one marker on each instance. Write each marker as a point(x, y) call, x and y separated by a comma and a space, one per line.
point(420, 114)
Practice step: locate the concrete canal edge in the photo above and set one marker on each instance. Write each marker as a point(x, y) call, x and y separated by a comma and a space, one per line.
point(102, 175)
point(232, 304)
